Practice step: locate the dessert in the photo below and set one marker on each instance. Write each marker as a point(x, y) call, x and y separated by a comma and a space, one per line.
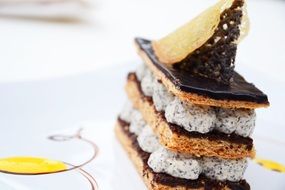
point(189, 118)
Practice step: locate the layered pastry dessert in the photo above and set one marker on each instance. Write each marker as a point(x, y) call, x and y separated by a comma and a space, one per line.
point(189, 116)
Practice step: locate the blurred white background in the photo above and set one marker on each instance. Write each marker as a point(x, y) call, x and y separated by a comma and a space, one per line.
point(85, 38)
point(100, 35)
point(47, 42)
point(88, 47)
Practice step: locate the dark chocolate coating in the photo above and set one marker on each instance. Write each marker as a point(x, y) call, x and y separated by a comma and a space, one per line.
point(165, 179)
point(238, 90)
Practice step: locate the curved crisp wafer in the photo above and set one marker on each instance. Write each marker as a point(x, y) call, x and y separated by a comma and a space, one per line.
point(189, 37)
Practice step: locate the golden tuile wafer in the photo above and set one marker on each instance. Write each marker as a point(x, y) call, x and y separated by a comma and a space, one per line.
point(179, 44)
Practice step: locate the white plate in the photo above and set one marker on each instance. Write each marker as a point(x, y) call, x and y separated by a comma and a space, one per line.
point(111, 169)
point(31, 111)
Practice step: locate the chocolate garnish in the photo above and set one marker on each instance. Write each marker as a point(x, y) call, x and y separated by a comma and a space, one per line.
point(216, 58)
point(165, 179)
point(213, 135)
point(239, 89)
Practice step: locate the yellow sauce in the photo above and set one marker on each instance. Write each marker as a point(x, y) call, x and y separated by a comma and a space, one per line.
point(270, 165)
point(30, 165)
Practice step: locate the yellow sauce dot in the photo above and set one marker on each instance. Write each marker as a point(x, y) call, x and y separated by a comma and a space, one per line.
point(270, 165)
point(30, 165)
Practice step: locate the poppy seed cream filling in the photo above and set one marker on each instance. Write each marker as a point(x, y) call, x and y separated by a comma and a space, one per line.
point(202, 119)
point(177, 165)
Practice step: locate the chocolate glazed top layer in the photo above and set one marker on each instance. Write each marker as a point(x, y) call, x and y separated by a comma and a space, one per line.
point(165, 179)
point(213, 135)
point(239, 89)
